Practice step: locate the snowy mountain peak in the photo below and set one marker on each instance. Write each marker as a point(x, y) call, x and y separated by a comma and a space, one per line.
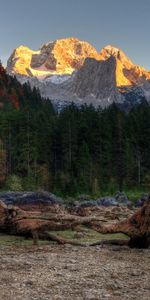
point(62, 56)
point(72, 70)
point(109, 50)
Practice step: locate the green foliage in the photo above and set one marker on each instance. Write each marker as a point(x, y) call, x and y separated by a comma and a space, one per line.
point(9, 240)
point(88, 235)
point(14, 183)
point(79, 150)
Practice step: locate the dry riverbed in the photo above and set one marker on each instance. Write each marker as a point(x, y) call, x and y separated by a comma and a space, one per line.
point(64, 272)
point(54, 272)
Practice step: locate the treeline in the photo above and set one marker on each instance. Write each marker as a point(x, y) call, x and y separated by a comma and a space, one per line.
point(79, 150)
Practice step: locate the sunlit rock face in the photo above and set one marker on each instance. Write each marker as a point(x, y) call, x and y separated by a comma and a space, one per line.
point(127, 74)
point(62, 56)
point(69, 70)
point(20, 61)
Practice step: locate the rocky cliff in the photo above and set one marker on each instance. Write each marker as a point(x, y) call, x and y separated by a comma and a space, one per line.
point(72, 70)
point(59, 57)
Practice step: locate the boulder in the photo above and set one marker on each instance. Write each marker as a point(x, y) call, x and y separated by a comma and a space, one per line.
point(25, 198)
point(142, 200)
point(107, 201)
point(122, 198)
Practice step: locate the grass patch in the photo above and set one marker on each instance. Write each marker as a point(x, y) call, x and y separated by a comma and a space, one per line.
point(88, 235)
point(133, 195)
point(8, 240)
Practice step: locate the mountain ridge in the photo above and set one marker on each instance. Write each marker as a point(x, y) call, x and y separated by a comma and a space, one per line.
point(63, 71)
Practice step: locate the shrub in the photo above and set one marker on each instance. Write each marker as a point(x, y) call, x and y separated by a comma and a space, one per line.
point(14, 183)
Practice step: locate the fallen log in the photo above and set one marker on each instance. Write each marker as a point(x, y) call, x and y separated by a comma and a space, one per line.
point(136, 227)
point(19, 222)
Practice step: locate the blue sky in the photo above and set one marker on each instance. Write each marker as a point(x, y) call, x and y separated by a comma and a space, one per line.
point(122, 23)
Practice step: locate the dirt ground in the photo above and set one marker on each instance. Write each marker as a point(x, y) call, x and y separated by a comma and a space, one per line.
point(54, 272)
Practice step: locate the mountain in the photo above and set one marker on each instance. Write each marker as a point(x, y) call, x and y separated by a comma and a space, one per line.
point(96, 82)
point(69, 70)
point(59, 57)
point(127, 74)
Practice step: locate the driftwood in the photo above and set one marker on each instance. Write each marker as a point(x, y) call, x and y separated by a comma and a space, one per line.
point(14, 220)
point(137, 227)
point(36, 225)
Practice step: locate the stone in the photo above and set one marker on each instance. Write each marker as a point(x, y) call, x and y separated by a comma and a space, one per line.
point(107, 201)
point(23, 198)
point(141, 201)
point(122, 198)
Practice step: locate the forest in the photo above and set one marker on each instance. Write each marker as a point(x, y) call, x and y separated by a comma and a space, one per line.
point(78, 150)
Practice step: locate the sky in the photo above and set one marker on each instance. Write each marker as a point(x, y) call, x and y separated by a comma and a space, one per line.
point(122, 23)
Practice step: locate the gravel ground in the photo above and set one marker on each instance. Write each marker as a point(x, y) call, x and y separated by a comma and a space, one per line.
point(74, 273)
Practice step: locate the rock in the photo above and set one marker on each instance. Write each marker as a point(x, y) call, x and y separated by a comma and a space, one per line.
point(8, 197)
point(122, 198)
point(121, 195)
point(24, 198)
point(29, 283)
point(107, 201)
point(83, 197)
point(141, 201)
point(96, 78)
